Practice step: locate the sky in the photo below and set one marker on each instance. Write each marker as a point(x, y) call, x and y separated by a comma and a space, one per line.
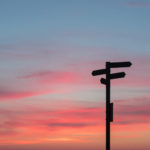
point(48, 97)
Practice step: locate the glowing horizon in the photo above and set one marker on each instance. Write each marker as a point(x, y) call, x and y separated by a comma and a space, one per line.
point(48, 97)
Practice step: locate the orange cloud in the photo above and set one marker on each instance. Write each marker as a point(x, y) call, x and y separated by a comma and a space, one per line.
point(39, 125)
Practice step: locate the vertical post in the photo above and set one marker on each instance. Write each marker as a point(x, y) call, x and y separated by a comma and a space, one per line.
point(109, 76)
point(108, 106)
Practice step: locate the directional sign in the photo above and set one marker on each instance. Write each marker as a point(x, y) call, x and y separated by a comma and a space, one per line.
point(117, 75)
point(99, 72)
point(120, 64)
point(103, 81)
point(106, 82)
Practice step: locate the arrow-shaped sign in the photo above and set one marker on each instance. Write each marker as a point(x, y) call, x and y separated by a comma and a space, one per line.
point(109, 76)
point(117, 75)
point(99, 72)
point(119, 64)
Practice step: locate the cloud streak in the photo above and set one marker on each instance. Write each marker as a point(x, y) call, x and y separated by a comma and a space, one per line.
point(139, 4)
point(40, 123)
point(12, 94)
point(57, 77)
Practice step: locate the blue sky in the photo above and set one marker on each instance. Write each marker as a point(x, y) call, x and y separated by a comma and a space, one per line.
point(48, 49)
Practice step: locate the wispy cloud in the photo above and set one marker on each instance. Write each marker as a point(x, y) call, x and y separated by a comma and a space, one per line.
point(137, 4)
point(38, 74)
point(40, 123)
point(133, 111)
point(76, 125)
point(15, 94)
point(126, 110)
point(12, 94)
point(53, 77)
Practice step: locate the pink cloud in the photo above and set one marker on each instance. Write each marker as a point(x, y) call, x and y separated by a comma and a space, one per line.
point(14, 94)
point(11, 94)
point(53, 77)
point(136, 75)
point(132, 111)
point(40, 123)
point(59, 118)
point(125, 112)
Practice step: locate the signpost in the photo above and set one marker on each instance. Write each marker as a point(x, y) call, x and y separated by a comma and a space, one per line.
point(109, 106)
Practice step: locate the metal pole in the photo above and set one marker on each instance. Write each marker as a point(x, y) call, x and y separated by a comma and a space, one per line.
point(107, 105)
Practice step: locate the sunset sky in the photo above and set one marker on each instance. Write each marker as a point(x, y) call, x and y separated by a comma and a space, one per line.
point(48, 97)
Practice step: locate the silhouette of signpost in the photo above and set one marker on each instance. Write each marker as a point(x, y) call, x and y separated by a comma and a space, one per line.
point(109, 76)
